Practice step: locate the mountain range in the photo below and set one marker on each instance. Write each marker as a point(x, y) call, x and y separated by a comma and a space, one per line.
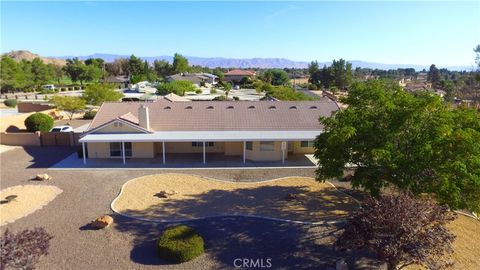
point(213, 62)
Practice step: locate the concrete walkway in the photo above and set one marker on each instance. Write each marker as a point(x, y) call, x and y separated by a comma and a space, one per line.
point(184, 161)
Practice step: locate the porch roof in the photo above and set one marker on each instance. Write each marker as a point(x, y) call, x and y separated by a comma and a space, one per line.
point(207, 136)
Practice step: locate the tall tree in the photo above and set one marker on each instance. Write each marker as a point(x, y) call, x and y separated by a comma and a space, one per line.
point(69, 104)
point(75, 69)
point(135, 66)
point(276, 77)
point(433, 75)
point(342, 73)
point(162, 68)
point(41, 74)
point(314, 72)
point(415, 142)
point(96, 94)
point(477, 58)
point(180, 63)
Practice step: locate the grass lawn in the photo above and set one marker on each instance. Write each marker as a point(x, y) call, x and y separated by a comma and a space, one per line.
point(294, 198)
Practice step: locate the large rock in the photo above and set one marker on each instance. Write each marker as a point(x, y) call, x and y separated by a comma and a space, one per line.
point(102, 222)
point(42, 177)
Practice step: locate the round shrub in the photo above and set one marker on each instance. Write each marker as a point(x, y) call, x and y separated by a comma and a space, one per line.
point(198, 91)
point(179, 244)
point(89, 114)
point(10, 103)
point(39, 122)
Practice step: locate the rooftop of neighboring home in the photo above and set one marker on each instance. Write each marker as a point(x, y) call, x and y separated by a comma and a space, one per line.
point(167, 114)
point(240, 72)
point(195, 78)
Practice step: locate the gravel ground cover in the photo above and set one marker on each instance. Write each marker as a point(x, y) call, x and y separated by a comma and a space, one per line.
point(291, 198)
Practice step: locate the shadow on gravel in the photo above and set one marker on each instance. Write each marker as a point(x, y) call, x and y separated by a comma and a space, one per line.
point(287, 245)
point(47, 156)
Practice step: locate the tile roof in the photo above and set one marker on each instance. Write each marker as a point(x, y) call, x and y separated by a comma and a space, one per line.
point(240, 72)
point(223, 115)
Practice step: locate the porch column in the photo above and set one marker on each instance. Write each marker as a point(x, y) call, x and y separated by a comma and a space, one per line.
point(123, 152)
point(204, 153)
point(83, 154)
point(284, 146)
point(163, 152)
point(244, 150)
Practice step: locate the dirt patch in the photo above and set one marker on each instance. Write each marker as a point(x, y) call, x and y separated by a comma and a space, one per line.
point(293, 198)
point(29, 198)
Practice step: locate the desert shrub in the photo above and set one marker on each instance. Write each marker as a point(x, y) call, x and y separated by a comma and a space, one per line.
point(401, 230)
point(213, 91)
point(198, 91)
point(236, 98)
point(312, 86)
point(24, 249)
point(180, 244)
point(10, 103)
point(39, 122)
point(220, 98)
point(89, 114)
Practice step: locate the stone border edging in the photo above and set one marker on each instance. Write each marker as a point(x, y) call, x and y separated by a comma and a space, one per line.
point(230, 216)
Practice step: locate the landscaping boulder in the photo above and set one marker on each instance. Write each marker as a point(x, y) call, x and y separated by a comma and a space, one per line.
point(102, 222)
point(166, 193)
point(42, 177)
point(341, 265)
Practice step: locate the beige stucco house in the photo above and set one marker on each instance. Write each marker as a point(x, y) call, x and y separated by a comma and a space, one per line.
point(251, 130)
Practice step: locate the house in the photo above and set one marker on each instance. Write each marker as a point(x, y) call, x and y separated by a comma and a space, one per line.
point(251, 130)
point(237, 75)
point(198, 79)
point(120, 81)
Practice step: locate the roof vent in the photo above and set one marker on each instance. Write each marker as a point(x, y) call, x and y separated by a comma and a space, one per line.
point(167, 108)
point(272, 108)
point(188, 107)
point(210, 108)
point(313, 108)
point(251, 107)
point(293, 107)
point(230, 107)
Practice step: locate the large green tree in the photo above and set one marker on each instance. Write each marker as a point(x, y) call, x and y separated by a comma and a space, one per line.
point(162, 68)
point(276, 77)
point(96, 94)
point(69, 104)
point(342, 73)
point(433, 75)
point(180, 63)
point(135, 66)
point(75, 69)
point(176, 87)
point(416, 143)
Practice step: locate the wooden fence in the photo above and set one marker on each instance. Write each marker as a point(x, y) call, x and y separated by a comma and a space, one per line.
point(40, 138)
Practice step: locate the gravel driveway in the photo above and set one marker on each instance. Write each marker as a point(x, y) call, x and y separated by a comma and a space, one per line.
point(129, 244)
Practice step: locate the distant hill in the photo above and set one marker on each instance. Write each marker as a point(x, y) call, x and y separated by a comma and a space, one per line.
point(213, 62)
point(29, 56)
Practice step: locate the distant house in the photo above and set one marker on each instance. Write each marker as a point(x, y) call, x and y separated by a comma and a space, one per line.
point(196, 78)
point(237, 75)
point(120, 81)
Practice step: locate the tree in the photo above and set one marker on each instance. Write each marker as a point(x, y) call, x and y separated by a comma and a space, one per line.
point(342, 73)
point(162, 68)
point(135, 66)
point(401, 230)
point(414, 142)
point(276, 77)
point(24, 249)
point(180, 64)
point(11, 74)
point(286, 93)
point(96, 94)
point(176, 87)
point(41, 74)
point(39, 122)
point(477, 58)
point(75, 69)
point(314, 72)
point(227, 87)
point(90, 73)
point(69, 104)
point(433, 76)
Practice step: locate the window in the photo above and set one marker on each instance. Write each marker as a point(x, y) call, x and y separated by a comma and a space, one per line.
point(267, 146)
point(188, 107)
point(272, 108)
point(229, 107)
point(210, 108)
point(313, 108)
point(306, 144)
point(249, 145)
point(167, 108)
point(251, 107)
point(116, 149)
point(200, 144)
point(293, 107)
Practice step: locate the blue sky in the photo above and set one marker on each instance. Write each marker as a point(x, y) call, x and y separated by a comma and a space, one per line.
point(443, 33)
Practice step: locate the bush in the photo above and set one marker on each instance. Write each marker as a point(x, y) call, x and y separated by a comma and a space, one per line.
point(198, 91)
point(179, 244)
point(23, 250)
point(10, 103)
point(89, 115)
point(401, 230)
point(213, 91)
point(312, 86)
point(39, 122)
point(236, 98)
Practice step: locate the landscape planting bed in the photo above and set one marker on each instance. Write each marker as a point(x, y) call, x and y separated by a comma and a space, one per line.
point(291, 198)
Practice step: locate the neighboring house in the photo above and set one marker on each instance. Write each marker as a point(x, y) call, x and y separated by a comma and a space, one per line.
point(251, 130)
point(120, 81)
point(196, 78)
point(237, 75)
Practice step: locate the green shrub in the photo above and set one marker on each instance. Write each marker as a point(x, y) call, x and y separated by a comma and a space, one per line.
point(213, 91)
point(39, 122)
point(89, 114)
point(198, 91)
point(179, 244)
point(10, 103)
